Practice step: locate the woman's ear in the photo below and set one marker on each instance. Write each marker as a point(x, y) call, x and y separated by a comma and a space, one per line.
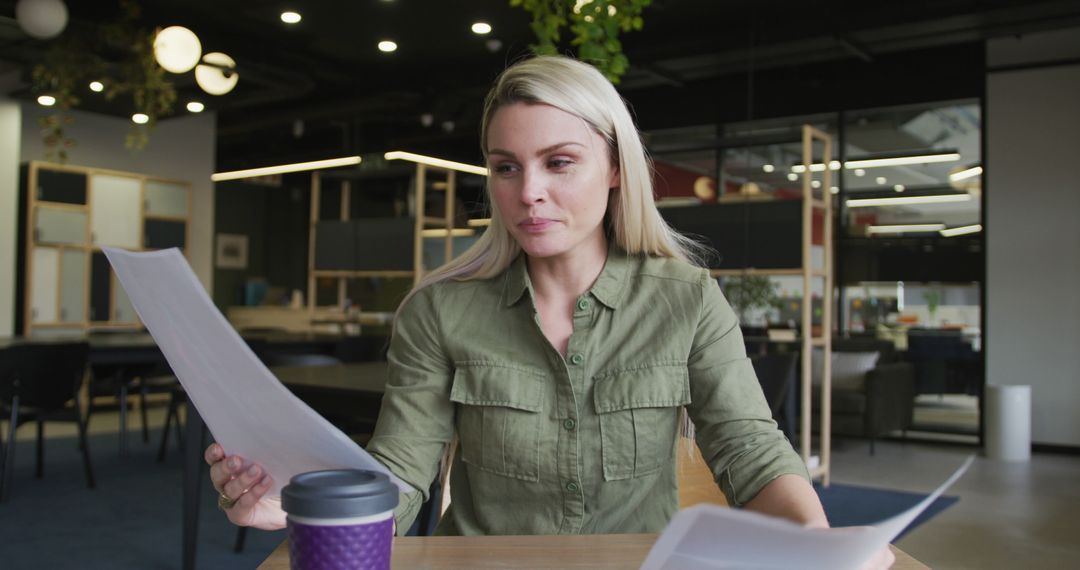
point(615, 181)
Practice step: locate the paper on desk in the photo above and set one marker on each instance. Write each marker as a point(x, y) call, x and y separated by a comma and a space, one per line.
point(248, 410)
point(706, 537)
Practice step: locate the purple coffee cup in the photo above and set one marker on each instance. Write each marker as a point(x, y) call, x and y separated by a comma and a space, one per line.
point(340, 518)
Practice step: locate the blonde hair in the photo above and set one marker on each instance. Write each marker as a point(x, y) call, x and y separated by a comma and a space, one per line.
point(632, 221)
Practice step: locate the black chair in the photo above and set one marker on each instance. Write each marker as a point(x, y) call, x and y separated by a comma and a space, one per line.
point(40, 383)
point(122, 380)
point(776, 373)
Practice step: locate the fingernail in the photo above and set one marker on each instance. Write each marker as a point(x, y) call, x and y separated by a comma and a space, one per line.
point(253, 470)
point(233, 463)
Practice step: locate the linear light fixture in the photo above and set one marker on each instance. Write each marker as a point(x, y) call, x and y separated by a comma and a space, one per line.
point(437, 162)
point(907, 200)
point(441, 232)
point(962, 230)
point(904, 228)
point(878, 162)
point(479, 222)
point(966, 173)
point(285, 168)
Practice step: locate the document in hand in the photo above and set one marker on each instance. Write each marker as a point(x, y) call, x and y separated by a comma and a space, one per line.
point(707, 537)
point(249, 411)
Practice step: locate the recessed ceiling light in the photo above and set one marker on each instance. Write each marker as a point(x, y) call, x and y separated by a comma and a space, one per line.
point(481, 28)
point(291, 17)
point(899, 187)
point(815, 183)
point(97, 86)
point(881, 180)
point(860, 172)
point(834, 189)
point(195, 107)
point(792, 176)
point(140, 118)
point(768, 168)
point(387, 46)
point(46, 100)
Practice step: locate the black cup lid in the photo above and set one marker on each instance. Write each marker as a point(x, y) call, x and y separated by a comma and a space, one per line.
point(339, 493)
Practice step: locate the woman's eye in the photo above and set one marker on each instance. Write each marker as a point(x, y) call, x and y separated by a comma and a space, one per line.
point(559, 163)
point(503, 168)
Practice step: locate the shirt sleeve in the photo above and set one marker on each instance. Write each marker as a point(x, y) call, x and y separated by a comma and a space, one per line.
point(416, 420)
point(734, 427)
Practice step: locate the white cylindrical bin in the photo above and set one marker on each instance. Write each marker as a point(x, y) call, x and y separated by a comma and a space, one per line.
point(1008, 422)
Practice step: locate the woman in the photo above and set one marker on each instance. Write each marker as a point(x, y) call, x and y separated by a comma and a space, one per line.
point(564, 348)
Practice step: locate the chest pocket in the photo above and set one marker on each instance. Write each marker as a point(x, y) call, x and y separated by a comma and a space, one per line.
point(499, 419)
point(639, 418)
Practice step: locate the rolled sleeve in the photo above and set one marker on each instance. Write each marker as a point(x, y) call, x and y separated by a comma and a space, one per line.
point(416, 420)
point(734, 427)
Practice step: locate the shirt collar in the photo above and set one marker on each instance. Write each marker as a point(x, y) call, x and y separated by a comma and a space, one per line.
point(607, 289)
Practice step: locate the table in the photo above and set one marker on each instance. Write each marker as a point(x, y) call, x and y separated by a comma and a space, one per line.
point(328, 389)
point(574, 551)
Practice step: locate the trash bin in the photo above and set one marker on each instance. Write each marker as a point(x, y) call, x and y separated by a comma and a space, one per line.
point(1008, 422)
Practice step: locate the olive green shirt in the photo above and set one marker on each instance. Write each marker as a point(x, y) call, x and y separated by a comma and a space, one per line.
point(584, 444)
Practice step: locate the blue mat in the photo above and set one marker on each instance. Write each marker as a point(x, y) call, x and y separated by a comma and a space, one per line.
point(852, 505)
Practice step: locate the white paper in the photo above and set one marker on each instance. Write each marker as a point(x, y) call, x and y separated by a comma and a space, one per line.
point(248, 410)
point(706, 537)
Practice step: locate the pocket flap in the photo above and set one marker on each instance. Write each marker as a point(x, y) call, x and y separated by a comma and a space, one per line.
point(661, 386)
point(488, 385)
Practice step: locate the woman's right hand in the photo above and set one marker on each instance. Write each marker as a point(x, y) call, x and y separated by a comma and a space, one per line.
point(247, 487)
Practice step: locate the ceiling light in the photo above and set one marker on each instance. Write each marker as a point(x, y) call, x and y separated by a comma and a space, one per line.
point(481, 28)
point(195, 107)
point(97, 86)
point(834, 189)
point(441, 232)
point(217, 73)
point(479, 222)
point(902, 160)
point(46, 100)
point(962, 230)
point(792, 176)
point(907, 200)
point(966, 173)
point(905, 228)
point(815, 184)
point(41, 19)
point(285, 168)
point(140, 118)
point(177, 49)
point(387, 46)
point(768, 168)
point(436, 162)
point(881, 180)
point(860, 172)
point(816, 167)
point(291, 17)
point(898, 187)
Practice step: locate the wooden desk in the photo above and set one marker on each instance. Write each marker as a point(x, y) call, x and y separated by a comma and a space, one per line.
point(577, 551)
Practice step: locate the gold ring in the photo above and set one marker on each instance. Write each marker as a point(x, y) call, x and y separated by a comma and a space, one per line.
point(224, 502)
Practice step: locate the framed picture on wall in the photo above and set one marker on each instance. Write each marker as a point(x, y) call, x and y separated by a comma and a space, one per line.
point(232, 251)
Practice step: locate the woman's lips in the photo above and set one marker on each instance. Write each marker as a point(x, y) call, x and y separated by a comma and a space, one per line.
point(536, 225)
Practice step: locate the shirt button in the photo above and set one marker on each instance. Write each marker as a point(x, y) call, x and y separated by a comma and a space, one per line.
point(582, 304)
point(568, 423)
point(572, 487)
point(577, 359)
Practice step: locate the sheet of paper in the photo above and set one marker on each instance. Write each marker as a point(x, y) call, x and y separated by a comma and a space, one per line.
point(706, 537)
point(247, 409)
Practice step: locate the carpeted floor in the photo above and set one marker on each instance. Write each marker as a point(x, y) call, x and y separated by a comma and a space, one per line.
point(851, 505)
point(131, 520)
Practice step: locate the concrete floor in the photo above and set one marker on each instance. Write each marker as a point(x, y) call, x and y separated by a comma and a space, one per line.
point(1010, 515)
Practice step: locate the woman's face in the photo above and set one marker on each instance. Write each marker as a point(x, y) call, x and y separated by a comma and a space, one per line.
point(550, 178)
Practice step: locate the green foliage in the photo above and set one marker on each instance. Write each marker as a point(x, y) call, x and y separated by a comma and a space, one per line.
point(122, 56)
point(749, 292)
point(594, 26)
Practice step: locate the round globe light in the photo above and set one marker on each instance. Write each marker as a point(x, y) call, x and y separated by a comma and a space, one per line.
point(217, 73)
point(177, 49)
point(41, 19)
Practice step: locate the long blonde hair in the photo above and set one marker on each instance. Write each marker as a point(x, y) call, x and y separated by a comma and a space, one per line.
point(632, 221)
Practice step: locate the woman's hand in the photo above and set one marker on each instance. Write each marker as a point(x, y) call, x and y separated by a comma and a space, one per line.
point(246, 487)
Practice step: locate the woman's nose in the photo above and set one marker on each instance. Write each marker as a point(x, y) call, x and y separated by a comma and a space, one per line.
point(533, 188)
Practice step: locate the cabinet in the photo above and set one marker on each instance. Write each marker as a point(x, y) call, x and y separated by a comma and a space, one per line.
point(70, 213)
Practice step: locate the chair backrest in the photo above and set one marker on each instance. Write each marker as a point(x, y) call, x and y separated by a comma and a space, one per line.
point(300, 360)
point(776, 374)
point(45, 375)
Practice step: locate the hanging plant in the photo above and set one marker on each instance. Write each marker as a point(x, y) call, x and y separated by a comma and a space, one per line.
point(73, 61)
point(594, 24)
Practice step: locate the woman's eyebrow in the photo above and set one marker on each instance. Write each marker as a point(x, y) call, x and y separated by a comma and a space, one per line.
point(540, 152)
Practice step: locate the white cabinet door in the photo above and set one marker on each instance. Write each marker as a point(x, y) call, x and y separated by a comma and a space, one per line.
point(115, 211)
point(60, 225)
point(166, 199)
point(45, 283)
point(72, 286)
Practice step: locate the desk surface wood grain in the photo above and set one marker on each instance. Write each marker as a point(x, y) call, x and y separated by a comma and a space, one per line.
point(578, 551)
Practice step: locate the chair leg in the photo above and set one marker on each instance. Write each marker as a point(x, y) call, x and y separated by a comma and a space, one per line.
point(122, 398)
point(169, 415)
point(8, 472)
point(85, 447)
point(142, 413)
point(241, 535)
point(40, 470)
